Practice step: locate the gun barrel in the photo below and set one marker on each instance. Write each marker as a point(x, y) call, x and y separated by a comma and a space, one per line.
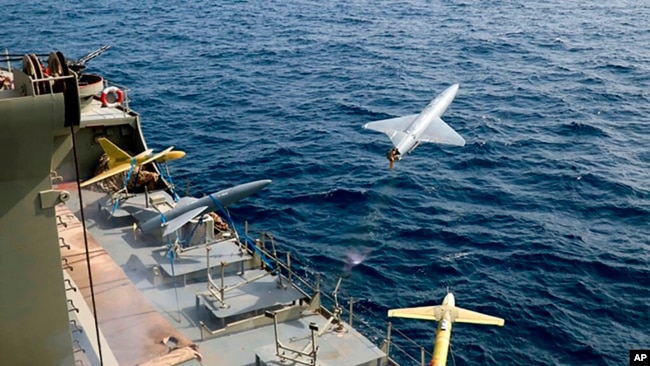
point(92, 55)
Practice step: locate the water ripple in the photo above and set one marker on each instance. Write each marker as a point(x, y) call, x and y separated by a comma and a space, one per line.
point(540, 219)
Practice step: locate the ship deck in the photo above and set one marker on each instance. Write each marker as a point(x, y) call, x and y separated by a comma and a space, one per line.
point(94, 115)
point(155, 295)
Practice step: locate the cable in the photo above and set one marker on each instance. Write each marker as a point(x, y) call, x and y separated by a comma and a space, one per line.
point(83, 225)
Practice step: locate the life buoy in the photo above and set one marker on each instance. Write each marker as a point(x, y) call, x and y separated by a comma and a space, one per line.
point(118, 95)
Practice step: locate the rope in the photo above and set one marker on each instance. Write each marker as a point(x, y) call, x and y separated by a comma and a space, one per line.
point(168, 177)
point(83, 223)
point(22, 54)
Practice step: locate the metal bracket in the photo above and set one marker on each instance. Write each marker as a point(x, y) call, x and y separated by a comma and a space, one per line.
point(53, 197)
point(55, 177)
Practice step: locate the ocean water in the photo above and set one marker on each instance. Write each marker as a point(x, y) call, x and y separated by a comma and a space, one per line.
point(541, 219)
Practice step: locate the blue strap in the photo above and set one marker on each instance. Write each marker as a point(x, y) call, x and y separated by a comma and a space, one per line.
point(168, 177)
point(242, 234)
point(170, 253)
point(128, 174)
point(169, 244)
point(126, 182)
point(115, 205)
point(189, 238)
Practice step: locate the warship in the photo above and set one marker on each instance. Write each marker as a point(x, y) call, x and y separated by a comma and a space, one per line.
point(105, 264)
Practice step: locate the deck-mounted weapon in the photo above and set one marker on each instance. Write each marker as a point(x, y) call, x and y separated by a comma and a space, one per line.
point(80, 64)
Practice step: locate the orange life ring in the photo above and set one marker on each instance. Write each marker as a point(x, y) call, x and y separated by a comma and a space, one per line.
point(118, 95)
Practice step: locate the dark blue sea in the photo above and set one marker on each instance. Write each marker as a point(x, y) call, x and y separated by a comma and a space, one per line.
point(541, 219)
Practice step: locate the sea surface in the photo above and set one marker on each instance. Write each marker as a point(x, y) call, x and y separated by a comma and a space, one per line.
point(541, 219)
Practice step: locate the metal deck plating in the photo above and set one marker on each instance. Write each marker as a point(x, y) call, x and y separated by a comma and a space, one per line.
point(228, 311)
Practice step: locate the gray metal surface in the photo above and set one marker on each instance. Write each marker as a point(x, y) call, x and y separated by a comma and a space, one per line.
point(34, 313)
point(187, 304)
point(261, 294)
point(345, 347)
point(193, 261)
point(96, 115)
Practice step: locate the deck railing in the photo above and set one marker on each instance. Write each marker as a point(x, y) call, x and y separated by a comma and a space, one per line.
point(125, 90)
point(397, 345)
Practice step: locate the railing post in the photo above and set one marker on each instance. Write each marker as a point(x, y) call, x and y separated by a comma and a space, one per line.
point(222, 289)
point(270, 314)
point(207, 254)
point(351, 303)
point(257, 259)
point(289, 265)
point(313, 328)
point(388, 331)
point(276, 259)
point(422, 356)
